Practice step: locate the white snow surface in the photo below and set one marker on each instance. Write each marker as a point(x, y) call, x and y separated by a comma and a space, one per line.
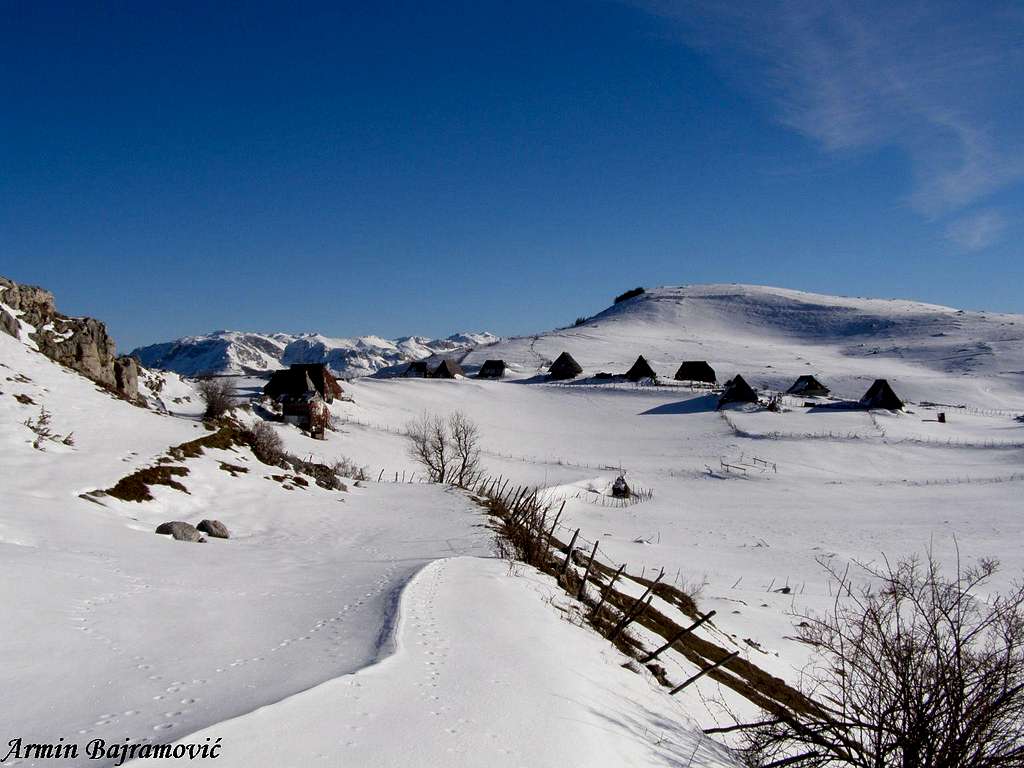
point(485, 673)
point(234, 352)
point(294, 641)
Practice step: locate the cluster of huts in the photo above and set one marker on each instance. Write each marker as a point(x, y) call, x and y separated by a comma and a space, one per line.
point(449, 369)
point(303, 392)
point(736, 389)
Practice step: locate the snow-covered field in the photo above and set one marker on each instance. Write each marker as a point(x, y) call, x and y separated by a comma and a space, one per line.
point(269, 640)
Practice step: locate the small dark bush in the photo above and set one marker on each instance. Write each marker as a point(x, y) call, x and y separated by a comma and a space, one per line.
point(579, 321)
point(629, 294)
point(217, 394)
point(266, 443)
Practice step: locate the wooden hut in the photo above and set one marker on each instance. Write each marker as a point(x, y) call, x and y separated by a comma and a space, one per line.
point(620, 488)
point(491, 369)
point(737, 391)
point(880, 395)
point(564, 367)
point(641, 370)
point(447, 369)
point(808, 386)
point(417, 369)
point(696, 370)
point(296, 380)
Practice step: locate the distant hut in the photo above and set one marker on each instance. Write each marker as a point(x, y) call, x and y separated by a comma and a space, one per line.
point(620, 489)
point(305, 407)
point(880, 395)
point(564, 367)
point(641, 370)
point(447, 369)
point(417, 369)
point(296, 380)
point(808, 386)
point(491, 369)
point(696, 370)
point(737, 391)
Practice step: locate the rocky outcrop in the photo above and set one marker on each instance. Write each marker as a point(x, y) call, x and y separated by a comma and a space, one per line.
point(80, 343)
point(215, 529)
point(180, 531)
point(9, 324)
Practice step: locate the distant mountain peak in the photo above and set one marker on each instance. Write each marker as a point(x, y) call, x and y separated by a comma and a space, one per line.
point(242, 352)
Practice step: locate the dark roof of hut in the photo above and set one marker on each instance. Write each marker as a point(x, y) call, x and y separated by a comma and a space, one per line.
point(641, 370)
point(297, 380)
point(416, 368)
point(880, 395)
point(447, 369)
point(737, 391)
point(565, 367)
point(696, 370)
point(808, 386)
point(491, 369)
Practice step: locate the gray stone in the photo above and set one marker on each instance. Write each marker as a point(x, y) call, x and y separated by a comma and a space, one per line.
point(9, 324)
point(214, 529)
point(181, 531)
point(126, 376)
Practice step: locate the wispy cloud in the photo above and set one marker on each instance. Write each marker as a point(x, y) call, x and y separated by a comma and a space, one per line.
point(941, 80)
point(977, 231)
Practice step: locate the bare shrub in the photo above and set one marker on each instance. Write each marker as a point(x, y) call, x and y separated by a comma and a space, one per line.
point(430, 446)
point(345, 467)
point(447, 449)
point(217, 393)
point(917, 671)
point(465, 436)
point(266, 443)
point(41, 427)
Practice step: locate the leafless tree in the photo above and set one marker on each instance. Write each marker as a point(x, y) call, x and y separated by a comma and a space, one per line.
point(448, 449)
point(465, 435)
point(915, 670)
point(430, 446)
point(217, 393)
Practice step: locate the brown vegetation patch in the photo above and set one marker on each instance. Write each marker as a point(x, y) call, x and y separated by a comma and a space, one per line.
point(24, 399)
point(135, 487)
point(233, 469)
point(224, 438)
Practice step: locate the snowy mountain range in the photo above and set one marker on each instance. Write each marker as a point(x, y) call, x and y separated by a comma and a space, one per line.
point(237, 352)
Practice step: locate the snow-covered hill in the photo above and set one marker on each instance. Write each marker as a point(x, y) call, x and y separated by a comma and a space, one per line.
point(186, 642)
point(235, 352)
point(772, 335)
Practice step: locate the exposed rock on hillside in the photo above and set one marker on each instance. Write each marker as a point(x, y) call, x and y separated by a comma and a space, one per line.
point(80, 343)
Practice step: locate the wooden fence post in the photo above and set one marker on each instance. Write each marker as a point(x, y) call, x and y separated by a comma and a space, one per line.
point(634, 612)
point(703, 672)
point(604, 595)
point(586, 573)
point(628, 618)
point(568, 555)
point(652, 656)
point(554, 525)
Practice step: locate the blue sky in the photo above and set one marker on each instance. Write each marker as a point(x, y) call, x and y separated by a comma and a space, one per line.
point(401, 168)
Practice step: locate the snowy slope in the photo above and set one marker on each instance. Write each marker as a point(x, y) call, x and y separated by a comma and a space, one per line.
point(233, 352)
point(439, 702)
point(772, 335)
point(299, 612)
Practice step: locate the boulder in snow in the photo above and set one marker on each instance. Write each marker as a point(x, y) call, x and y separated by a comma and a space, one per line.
point(214, 528)
point(181, 531)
